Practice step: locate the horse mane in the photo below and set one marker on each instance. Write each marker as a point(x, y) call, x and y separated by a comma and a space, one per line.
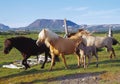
point(18, 38)
point(83, 31)
point(51, 35)
point(79, 30)
point(71, 34)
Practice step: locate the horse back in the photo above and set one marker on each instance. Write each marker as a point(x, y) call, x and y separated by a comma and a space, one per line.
point(63, 45)
point(28, 46)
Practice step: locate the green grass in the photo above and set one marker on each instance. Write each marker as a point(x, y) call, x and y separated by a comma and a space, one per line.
point(36, 75)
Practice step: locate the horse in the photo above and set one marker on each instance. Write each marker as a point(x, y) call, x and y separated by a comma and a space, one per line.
point(99, 42)
point(59, 45)
point(27, 47)
point(86, 51)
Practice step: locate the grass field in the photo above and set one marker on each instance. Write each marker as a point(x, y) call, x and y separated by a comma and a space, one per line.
point(36, 75)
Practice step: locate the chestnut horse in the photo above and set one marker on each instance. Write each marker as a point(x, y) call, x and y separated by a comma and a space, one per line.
point(59, 45)
point(27, 47)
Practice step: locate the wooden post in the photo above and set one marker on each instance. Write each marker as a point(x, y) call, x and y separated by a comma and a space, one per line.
point(110, 32)
point(66, 29)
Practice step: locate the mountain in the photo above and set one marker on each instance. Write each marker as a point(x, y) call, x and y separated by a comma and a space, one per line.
point(56, 25)
point(102, 27)
point(4, 27)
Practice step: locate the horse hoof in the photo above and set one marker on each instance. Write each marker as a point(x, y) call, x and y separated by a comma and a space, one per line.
point(26, 68)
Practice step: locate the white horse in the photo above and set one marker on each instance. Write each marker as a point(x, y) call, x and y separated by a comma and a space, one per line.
point(59, 45)
point(99, 42)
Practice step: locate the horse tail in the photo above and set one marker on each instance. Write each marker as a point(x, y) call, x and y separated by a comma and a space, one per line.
point(115, 41)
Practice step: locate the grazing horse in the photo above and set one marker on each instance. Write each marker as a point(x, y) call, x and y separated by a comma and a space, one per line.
point(27, 47)
point(86, 51)
point(99, 42)
point(59, 45)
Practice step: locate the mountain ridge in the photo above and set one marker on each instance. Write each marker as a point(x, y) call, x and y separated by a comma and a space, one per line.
point(58, 25)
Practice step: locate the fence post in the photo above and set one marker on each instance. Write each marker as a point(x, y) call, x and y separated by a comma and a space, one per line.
point(66, 29)
point(110, 32)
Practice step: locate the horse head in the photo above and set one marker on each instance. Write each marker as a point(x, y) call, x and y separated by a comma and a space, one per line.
point(46, 36)
point(41, 37)
point(84, 32)
point(79, 33)
point(7, 46)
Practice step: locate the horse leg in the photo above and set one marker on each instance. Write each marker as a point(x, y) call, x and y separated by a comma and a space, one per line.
point(89, 59)
point(52, 61)
point(84, 61)
point(113, 52)
point(48, 54)
point(78, 57)
point(82, 57)
point(97, 60)
point(95, 53)
point(24, 62)
point(63, 57)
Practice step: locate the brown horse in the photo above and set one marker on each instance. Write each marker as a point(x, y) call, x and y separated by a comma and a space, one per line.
point(99, 42)
point(59, 45)
point(27, 47)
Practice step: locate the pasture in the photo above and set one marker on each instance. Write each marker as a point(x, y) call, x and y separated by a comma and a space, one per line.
point(108, 70)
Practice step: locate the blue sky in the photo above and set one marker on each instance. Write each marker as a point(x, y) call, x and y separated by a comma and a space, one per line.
point(20, 13)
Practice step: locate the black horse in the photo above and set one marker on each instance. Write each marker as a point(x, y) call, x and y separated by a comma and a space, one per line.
point(27, 47)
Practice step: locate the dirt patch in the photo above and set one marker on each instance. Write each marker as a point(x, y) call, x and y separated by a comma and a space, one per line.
point(110, 78)
point(79, 78)
point(87, 78)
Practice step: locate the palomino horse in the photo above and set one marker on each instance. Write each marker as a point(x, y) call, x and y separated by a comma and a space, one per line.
point(59, 45)
point(99, 42)
point(27, 47)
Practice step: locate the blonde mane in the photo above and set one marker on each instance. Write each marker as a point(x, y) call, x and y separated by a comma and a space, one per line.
point(84, 32)
point(49, 34)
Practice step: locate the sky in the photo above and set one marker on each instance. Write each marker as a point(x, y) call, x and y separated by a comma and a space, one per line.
point(20, 13)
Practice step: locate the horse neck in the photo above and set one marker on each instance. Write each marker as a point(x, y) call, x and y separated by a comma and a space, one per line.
point(15, 42)
point(76, 40)
point(50, 42)
point(75, 37)
point(51, 35)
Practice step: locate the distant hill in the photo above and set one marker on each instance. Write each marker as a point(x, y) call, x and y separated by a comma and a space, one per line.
point(56, 25)
point(4, 27)
point(102, 27)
